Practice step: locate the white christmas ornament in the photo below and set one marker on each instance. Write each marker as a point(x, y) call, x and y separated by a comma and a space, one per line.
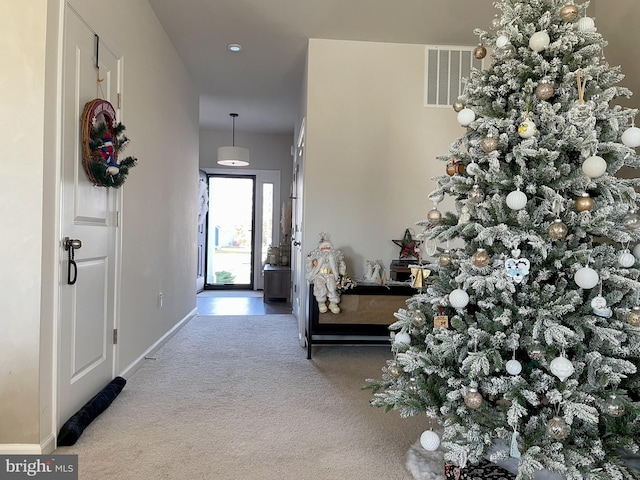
point(430, 440)
point(473, 168)
point(527, 128)
point(594, 167)
point(539, 41)
point(562, 368)
point(502, 41)
point(631, 137)
point(466, 116)
point(458, 298)
point(600, 308)
point(586, 277)
point(626, 260)
point(402, 337)
point(514, 367)
point(516, 200)
point(586, 25)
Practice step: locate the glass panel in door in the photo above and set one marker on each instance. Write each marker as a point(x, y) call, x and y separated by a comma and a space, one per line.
point(230, 232)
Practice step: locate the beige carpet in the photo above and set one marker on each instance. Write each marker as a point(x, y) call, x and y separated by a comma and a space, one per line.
point(235, 398)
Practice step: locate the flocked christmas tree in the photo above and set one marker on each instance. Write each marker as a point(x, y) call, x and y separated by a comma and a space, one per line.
point(540, 349)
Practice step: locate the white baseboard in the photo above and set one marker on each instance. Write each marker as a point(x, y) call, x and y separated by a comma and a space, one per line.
point(138, 362)
point(20, 449)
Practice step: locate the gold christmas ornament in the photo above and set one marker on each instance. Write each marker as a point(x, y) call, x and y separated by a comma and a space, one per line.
point(489, 144)
point(569, 13)
point(454, 167)
point(480, 258)
point(584, 203)
point(434, 216)
point(445, 259)
point(418, 318)
point(479, 52)
point(544, 91)
point(558, 230)
point(394, 370)
point(473, 398)
point(633, 317)
point(557, 428)
point(457, 106)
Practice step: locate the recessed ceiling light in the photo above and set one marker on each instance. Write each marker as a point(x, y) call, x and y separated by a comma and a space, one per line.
point(234, 47)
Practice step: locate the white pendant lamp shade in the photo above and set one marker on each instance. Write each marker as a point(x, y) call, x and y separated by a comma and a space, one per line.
point(233, 156)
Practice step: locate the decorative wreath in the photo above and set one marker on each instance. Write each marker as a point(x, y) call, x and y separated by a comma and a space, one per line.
point(102, 140)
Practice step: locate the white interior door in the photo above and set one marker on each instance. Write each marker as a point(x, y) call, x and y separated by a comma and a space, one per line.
point(88, 214)
point(298, 302)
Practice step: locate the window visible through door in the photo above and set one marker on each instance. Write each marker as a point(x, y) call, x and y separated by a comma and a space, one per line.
point(230, 232)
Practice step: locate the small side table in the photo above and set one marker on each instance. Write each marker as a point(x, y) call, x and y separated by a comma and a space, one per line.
point(277, 282)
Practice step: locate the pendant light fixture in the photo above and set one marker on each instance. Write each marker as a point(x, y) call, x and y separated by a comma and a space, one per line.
point(233, 156)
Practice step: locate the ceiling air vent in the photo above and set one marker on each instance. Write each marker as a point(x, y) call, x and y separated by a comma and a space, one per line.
point(446, 70)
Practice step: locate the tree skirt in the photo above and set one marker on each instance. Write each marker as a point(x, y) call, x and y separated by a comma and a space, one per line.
point(425, 465)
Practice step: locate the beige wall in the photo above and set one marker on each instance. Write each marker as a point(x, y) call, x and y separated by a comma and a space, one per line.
point(159, 209)
point(22, 54)
point(371, 146)
point(267, 152)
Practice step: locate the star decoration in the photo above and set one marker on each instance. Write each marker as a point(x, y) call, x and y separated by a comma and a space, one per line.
point(408, 246)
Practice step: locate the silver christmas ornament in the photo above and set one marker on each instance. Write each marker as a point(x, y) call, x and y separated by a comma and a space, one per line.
point(536, 352)
point(412, 386)
point(631, 220)
point(614, 406)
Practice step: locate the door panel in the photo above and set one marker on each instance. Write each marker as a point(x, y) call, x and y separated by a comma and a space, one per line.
point(87, 313)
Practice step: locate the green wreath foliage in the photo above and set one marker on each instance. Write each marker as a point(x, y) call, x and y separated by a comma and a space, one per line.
point(98, 167)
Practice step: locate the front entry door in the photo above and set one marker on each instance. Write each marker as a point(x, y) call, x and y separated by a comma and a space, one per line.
point(88, 214)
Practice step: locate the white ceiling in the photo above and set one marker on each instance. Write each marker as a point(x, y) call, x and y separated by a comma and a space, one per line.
point(262, 83)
